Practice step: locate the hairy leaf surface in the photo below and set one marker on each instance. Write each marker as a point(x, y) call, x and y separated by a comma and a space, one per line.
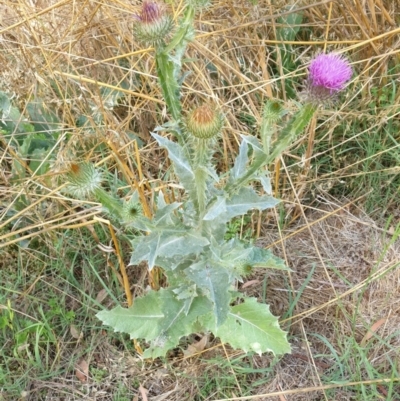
point(166, 244)
point(260, 257)
point(241, 161)
point(214, 282)
point(159, 317)
point(247, 199)
point(141, 320)
point(250, 326)
point(216, 209)
point(182, 165)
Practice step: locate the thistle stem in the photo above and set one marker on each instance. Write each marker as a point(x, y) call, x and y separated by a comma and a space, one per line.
point(201, 160)
point(169, 84)
point(109, 202)
point(183, 32)
point(169, 66)
point(294, 127)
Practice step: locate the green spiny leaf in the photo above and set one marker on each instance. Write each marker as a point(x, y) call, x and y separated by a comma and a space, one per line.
point(158, 317)
point(166, 244)
point(142, 320)
point(247, 199)
point(214, 281)
point(250, 326)
point(241, 161)
point(216, 209)
point(259, 257)
point(182, 165)
point(180, 319)
point(43, 119)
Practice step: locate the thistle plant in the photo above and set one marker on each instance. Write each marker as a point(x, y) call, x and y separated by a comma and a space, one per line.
point(186, 239)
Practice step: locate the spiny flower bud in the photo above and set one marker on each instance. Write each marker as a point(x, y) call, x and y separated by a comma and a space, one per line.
point(273, 111)
point(328, 74)
point(204, 122)
point(131, 210)
point(152, 25)
point(83, 179)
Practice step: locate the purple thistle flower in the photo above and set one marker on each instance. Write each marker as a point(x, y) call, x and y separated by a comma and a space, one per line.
point(328, 74)
point(151, 12)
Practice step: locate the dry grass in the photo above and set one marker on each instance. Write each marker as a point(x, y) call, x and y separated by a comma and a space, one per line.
point(66, 53)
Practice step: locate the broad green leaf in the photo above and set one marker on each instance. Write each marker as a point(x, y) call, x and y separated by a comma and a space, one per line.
point(290, 26)
point(38, 162)
point(141, 320)
point(5, 104)
point(166, 244)
point(260, 257)
point(216, 209)
point(241, 161)
point(215, 228)
point(169, 264)
point(187, 293)
point(182, 165)
point(247, 199)
point(161, 201)
point(11, 120)
point(18, 168)
point(259, 159)
point(211, 172)
point(180, 319)
point(165, 216)
point(265, 182)
point(230, 253)
point(257, 147)
point(111, 96)
point(159, 318)
point(215, 283)
point(250, 326)
point(142, 223)
point(43, 119)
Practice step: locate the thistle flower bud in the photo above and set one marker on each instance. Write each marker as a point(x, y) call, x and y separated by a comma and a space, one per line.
point(131, 209)
point(272, 112)
point(204, 122)
point(152, 25)
point(83, 179)
point(328, 74)
point(85, 182)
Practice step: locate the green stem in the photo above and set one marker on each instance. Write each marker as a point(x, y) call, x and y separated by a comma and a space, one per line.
point(169, 84)
point(201, 187)
point(183, 31)
point(201, 159)
point(113, 205)
point(169, 65)
point(294, 127)
point(272, 112)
